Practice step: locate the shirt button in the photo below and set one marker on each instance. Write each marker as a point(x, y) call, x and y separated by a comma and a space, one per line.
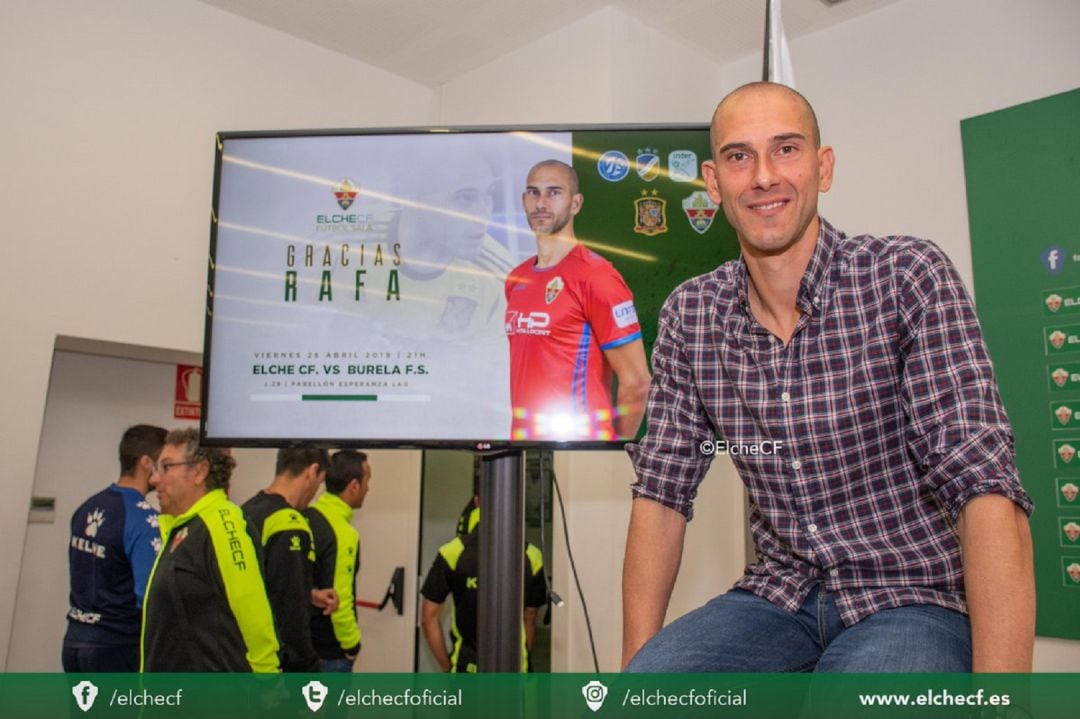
point(785, 396)
point(812, 528)
point(834, 572)
point(796, 464)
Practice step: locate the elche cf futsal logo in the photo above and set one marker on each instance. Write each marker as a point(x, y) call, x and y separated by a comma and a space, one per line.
point(345, 192)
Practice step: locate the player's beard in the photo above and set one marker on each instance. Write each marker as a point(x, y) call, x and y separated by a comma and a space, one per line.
point(557, 223)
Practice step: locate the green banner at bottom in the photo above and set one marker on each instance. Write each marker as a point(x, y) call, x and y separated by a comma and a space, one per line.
point(505, 696)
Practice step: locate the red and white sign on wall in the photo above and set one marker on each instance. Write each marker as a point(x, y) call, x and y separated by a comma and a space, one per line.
point(188, 392)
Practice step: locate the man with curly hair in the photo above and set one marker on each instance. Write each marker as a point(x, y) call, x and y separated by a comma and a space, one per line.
point(206, 608)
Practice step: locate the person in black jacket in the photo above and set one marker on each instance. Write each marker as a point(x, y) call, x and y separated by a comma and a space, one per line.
point(206, 608)
point(288, 550)
point(455, 572)
point(337, 558)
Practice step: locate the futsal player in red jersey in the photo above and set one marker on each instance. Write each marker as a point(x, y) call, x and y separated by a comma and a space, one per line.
point(571, 324)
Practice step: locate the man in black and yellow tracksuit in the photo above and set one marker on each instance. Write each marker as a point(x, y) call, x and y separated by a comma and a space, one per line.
point(288, 550)
point(455, 572)
point(206, 608)
point(337, 558)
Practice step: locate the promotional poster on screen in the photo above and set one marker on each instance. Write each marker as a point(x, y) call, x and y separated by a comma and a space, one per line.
point(358, 282)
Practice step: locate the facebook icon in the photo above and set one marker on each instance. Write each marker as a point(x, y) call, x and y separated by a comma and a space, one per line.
point(1053, 258)
point(85, 693)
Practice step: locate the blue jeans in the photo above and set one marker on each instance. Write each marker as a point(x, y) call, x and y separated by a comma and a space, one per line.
point(336, 665)
point(741, 632)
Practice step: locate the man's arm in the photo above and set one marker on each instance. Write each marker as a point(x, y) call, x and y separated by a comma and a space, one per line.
point(429, 621)
point(654, 545)
point(288, 585)
point(958, 430)
point(237, 559)
point(999, 582)
point(669, 466)
point(343, 617)
point(536, 592)
point(632, 370)
point(141, 539)
point(528, 618)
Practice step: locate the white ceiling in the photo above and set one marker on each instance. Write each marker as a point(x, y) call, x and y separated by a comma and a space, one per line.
point(434, 41)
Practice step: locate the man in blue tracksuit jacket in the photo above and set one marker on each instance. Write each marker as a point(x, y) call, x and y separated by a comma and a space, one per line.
point(114, 540)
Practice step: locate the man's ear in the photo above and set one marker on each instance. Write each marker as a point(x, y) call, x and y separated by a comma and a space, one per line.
point(712, 180)
point(202, 471)
point(826, 163)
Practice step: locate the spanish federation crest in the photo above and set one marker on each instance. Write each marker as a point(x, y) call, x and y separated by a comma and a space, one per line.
point(650, 214)
point(700, 210)
point(553, 289)
point(346, 191)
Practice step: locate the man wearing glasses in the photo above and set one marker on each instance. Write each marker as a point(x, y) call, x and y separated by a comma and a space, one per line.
point(206, 608)
point(114, 539)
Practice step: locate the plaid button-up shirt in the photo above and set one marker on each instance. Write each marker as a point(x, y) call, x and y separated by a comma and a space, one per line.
point(873, 426)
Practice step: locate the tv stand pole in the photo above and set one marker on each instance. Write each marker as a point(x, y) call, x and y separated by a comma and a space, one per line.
point(502, 561)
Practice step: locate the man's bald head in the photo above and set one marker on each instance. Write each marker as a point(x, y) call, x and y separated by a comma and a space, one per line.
point(568, 170)
point(732, 99)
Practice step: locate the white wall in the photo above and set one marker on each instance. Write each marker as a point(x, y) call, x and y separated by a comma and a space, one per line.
point(606, 67)
point(656, 78)
point(389, 523)
point(107, 138)
point(891, 87)
point(559, 78)
point(92, 400)
point(595, 489)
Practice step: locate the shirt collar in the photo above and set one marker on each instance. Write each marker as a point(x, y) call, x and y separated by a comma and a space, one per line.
point(811, 289)
point(167, 522)
point(337, 505)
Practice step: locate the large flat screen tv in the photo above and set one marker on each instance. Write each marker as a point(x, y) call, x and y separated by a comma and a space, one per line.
point(358, 278)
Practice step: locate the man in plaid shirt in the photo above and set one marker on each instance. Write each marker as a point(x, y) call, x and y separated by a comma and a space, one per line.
point(849, 380)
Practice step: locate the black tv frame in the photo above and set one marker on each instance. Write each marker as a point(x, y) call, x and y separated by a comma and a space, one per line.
point(480, 444)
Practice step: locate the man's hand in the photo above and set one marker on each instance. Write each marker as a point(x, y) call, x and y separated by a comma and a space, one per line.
point(429, 622)
point(325, 599)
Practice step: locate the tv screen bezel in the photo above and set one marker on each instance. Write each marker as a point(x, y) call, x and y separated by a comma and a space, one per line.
point(383, 443)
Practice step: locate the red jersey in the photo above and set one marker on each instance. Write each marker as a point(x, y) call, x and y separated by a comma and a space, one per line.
point(559, 321)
